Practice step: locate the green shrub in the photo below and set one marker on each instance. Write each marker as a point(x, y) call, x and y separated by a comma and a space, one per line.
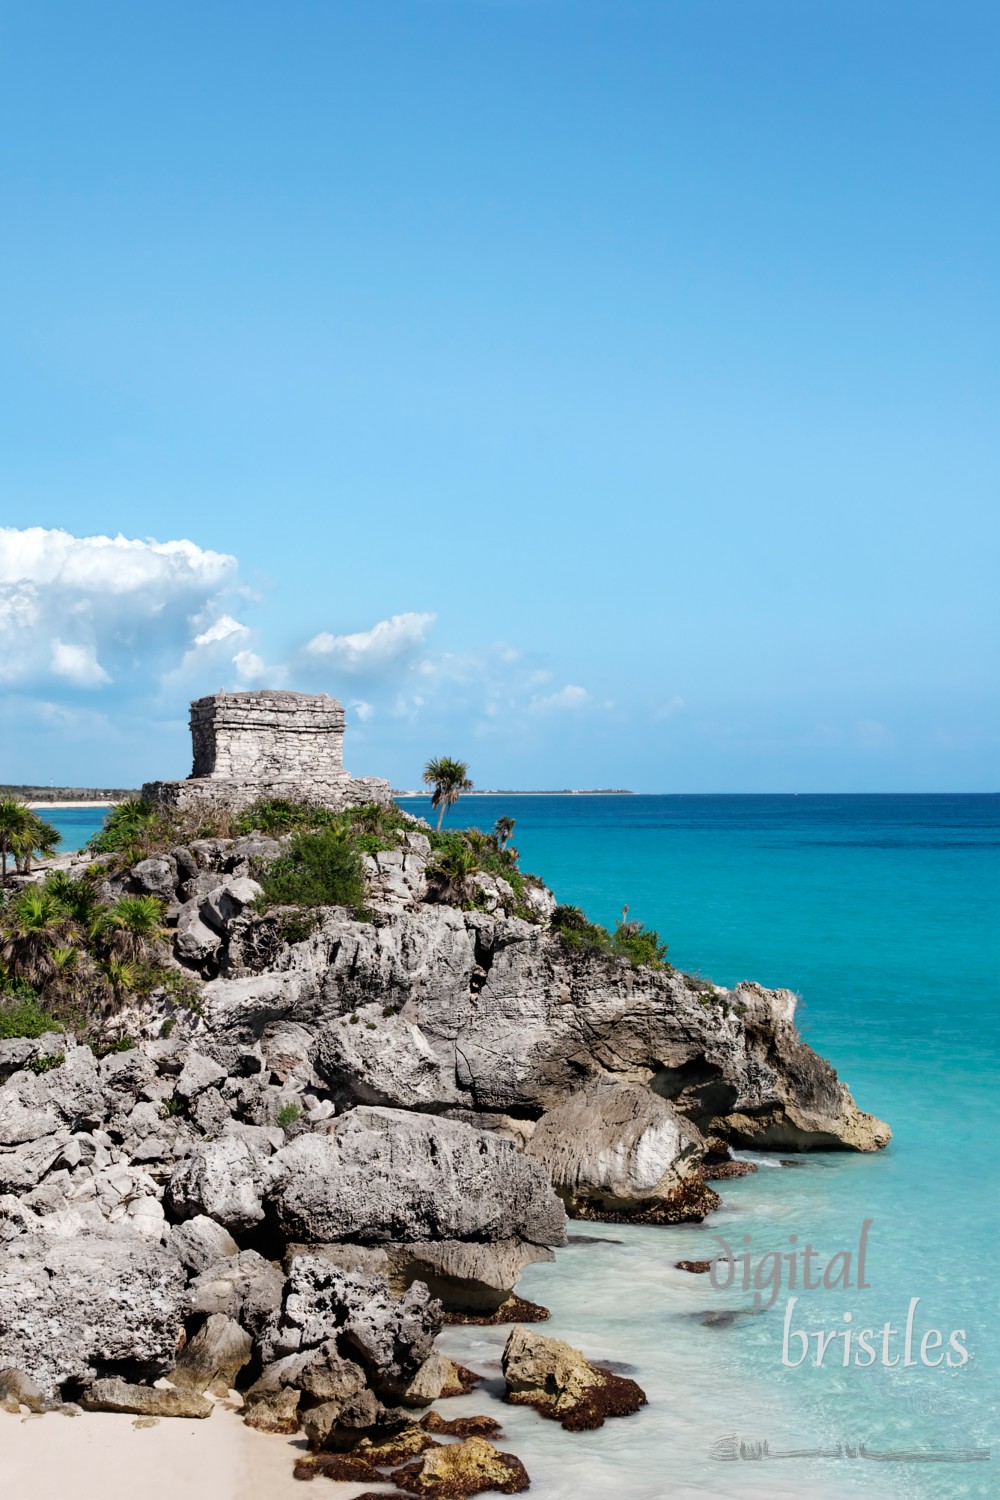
point(277, 815)
point(21, 1015)
point(641, 946)
point(296, 926)
point(288, 1114)
point(126, 829)
point(570, 924)
point(320, 869)
point(46, 1063)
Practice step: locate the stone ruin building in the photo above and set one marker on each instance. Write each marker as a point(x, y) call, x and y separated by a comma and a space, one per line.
point(268, 744)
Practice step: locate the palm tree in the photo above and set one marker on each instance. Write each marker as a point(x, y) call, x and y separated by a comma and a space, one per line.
point(370, 817)
point(38, 925)
point(452, 873)
point(135, 927)
point(449, 779)
point(36, 834)
point(14, 816)
point(503, 828)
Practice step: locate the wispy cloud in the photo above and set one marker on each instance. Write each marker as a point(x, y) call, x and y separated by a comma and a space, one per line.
point(570, 697)
point(384, 645)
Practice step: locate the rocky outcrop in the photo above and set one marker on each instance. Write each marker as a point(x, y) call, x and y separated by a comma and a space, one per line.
point(143, 1400)
point(618, 1151)
point(384, 1175)
point(72, 1306)
point(349, 1129)
point(214, 1357)
point(466, 1468)
point(560, 1383)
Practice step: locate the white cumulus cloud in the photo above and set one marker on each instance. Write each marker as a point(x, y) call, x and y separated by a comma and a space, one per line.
point(78, 664)
point(96, 609)
point(224, 628)
point(251, 669)
point(384, 645)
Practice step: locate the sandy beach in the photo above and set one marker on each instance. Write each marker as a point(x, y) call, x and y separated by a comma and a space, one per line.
point(40, 806)
point(104, 1456)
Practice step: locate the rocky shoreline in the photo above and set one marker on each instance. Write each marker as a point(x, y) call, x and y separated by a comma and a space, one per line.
point(349, 1129)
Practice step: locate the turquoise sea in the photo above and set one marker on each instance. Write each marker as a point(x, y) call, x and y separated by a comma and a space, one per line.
point(881, 912)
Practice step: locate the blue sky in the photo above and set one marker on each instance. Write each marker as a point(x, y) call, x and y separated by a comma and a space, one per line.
point(603, 392)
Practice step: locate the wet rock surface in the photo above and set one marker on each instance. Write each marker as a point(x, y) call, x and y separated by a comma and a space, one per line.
point(560, 1383)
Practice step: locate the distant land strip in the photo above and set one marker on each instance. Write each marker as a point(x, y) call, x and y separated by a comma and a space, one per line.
point(68, 793)
point(508, 791)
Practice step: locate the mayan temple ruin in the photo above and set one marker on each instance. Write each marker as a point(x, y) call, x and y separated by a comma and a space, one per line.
point(268, 744)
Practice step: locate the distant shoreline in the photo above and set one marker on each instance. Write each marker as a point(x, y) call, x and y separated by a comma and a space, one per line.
point(501, 791)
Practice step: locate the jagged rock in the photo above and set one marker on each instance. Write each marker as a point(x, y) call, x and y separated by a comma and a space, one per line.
point(496, 894)
point(437, 1377)
point(195, 942)
point(390, 1338)
point(245, 1287)
point(221, 906)
point(23, 1167)
point(26, 1111)
point(337, 1425)
point(146, 1217)
point(74, 1087)
point(623, 1151)
point(558, 1381)
point(362, 1260)
point(287, 1051)
point(383, 1175)
point(17, 1052)
point(240, 1008)
point(213, 1358)
point(143, 1400)
point(155, 877)
point(127, 1073)
point(211, 1113)
point(200, 1243)
point(540, 900)
point(273, 1411)
point(222, 1179)
point(382, 1059)
point(465, 1468)
point(524, 1020)
point(329, 1391)
point(198, 886)
point(198, 1073)
point(67, 1303)
point(466, 1275)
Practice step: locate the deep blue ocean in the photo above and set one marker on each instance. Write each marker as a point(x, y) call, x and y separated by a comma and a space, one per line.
point(883, 914)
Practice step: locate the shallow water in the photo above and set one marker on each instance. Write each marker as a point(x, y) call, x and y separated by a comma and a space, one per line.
point(882, 913)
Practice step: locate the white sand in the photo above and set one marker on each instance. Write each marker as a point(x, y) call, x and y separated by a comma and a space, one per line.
point(101, 1456)
point(39, 806)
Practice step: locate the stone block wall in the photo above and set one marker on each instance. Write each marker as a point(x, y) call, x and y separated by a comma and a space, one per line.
point(267, 736)
point(268, 744)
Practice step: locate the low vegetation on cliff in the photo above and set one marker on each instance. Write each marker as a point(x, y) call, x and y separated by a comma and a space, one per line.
point(69, 958)
point(629, 940)
point(74, 952)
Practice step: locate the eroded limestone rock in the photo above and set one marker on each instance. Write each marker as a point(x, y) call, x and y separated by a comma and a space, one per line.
point(559, 1382)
